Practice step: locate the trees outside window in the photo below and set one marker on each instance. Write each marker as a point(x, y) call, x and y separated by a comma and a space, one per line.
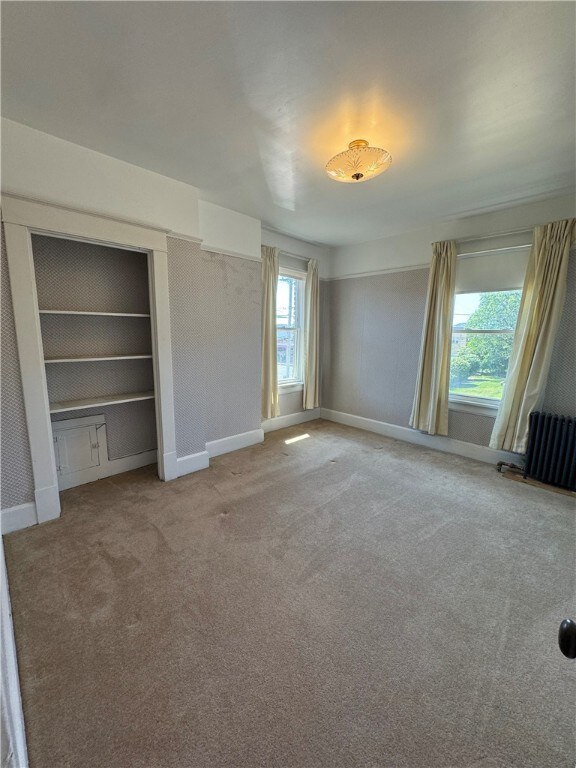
point(482, 337)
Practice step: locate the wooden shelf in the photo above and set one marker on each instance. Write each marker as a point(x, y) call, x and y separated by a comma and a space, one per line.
point(91, 314)
point(97, 402)
point(95, 359)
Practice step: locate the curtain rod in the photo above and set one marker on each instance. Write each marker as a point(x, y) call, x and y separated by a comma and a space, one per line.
point(471, 254)
point(488, 237)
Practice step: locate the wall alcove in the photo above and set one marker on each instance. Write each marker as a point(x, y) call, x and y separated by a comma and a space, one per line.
point(67, 334)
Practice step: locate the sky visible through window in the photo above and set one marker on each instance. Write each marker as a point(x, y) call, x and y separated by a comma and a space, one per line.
point(465, 304)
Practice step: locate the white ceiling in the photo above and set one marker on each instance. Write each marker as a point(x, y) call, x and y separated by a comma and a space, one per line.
point(248, 100)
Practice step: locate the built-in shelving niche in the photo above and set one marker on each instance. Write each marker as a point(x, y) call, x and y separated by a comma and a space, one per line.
point(95, 320)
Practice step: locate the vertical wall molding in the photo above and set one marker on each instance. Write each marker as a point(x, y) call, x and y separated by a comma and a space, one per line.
point(162, 358)
point(33, 374)
point(12, 714)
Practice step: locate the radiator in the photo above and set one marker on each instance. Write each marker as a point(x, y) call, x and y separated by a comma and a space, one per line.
point(551, 453)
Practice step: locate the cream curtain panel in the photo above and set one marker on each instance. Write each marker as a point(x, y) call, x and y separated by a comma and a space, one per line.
point(538, 320)
point(311, 336)
point(270, 266)
point(430, 409)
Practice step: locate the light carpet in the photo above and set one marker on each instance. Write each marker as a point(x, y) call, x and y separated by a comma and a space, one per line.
point(344, 601)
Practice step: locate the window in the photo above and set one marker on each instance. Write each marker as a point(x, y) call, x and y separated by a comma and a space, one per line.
point(289, 317)
point(482, 336)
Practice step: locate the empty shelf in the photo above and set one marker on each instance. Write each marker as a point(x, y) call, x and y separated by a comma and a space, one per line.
point(97, 402)
point(94, 314)
point(95, 359)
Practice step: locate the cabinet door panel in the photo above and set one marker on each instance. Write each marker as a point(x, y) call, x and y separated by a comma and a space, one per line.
point(77, 449)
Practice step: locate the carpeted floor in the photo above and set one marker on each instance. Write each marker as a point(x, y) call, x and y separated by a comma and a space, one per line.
point(345, 601)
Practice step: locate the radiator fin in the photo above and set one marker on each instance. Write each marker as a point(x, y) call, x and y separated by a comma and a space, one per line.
point(551, 453)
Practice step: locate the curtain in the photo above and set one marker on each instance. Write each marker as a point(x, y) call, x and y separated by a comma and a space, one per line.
point(311, 336)
point(538, 319)
point(430, 409)
point(270, 405)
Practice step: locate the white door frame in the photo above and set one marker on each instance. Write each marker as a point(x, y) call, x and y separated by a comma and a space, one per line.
point(22, 218)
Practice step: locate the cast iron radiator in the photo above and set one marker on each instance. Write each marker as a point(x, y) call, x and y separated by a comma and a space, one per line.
point(551, 453)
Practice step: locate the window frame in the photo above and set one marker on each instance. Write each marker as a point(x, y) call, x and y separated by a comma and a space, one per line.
point(483, 406)
point(285, 386)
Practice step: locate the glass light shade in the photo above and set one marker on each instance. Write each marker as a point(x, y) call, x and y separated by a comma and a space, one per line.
point(359, 162)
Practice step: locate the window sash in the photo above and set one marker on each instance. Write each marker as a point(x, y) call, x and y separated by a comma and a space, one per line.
point(295, 330)
point(482, 330)
point(294, 365)
point(485, 389)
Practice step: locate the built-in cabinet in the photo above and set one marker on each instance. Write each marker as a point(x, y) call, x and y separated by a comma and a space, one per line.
point(94, 313)
point(77, 449)
point(108, 280)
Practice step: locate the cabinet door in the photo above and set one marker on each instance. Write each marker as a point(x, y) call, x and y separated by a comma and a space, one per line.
point(77, 449)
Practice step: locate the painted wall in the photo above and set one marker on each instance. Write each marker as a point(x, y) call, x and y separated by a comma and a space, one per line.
point(16, 484)
point(228, 232)
point(43, 167)
point(371, 340)
point(290, 245)
point(414, 248)
point(215, 318)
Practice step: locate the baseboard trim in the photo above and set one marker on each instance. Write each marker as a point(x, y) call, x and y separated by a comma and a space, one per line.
point(192, 463)
point(16, 518)
point(47, 502)
point(170, 466)
point(25, 515)
point(437, 442)
point(290, 419)
point(234, 442)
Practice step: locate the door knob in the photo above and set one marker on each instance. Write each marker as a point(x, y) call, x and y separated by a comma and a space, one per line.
point(567, 638)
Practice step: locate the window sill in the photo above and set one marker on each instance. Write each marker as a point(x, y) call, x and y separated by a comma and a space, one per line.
point(479, 406)
point(292, 386)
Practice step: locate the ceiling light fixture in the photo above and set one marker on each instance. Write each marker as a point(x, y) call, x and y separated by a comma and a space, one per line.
point(359, 162)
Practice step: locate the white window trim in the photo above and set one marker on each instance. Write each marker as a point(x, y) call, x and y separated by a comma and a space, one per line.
point(481, 406)
point(300, 274)
point(287, 386)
